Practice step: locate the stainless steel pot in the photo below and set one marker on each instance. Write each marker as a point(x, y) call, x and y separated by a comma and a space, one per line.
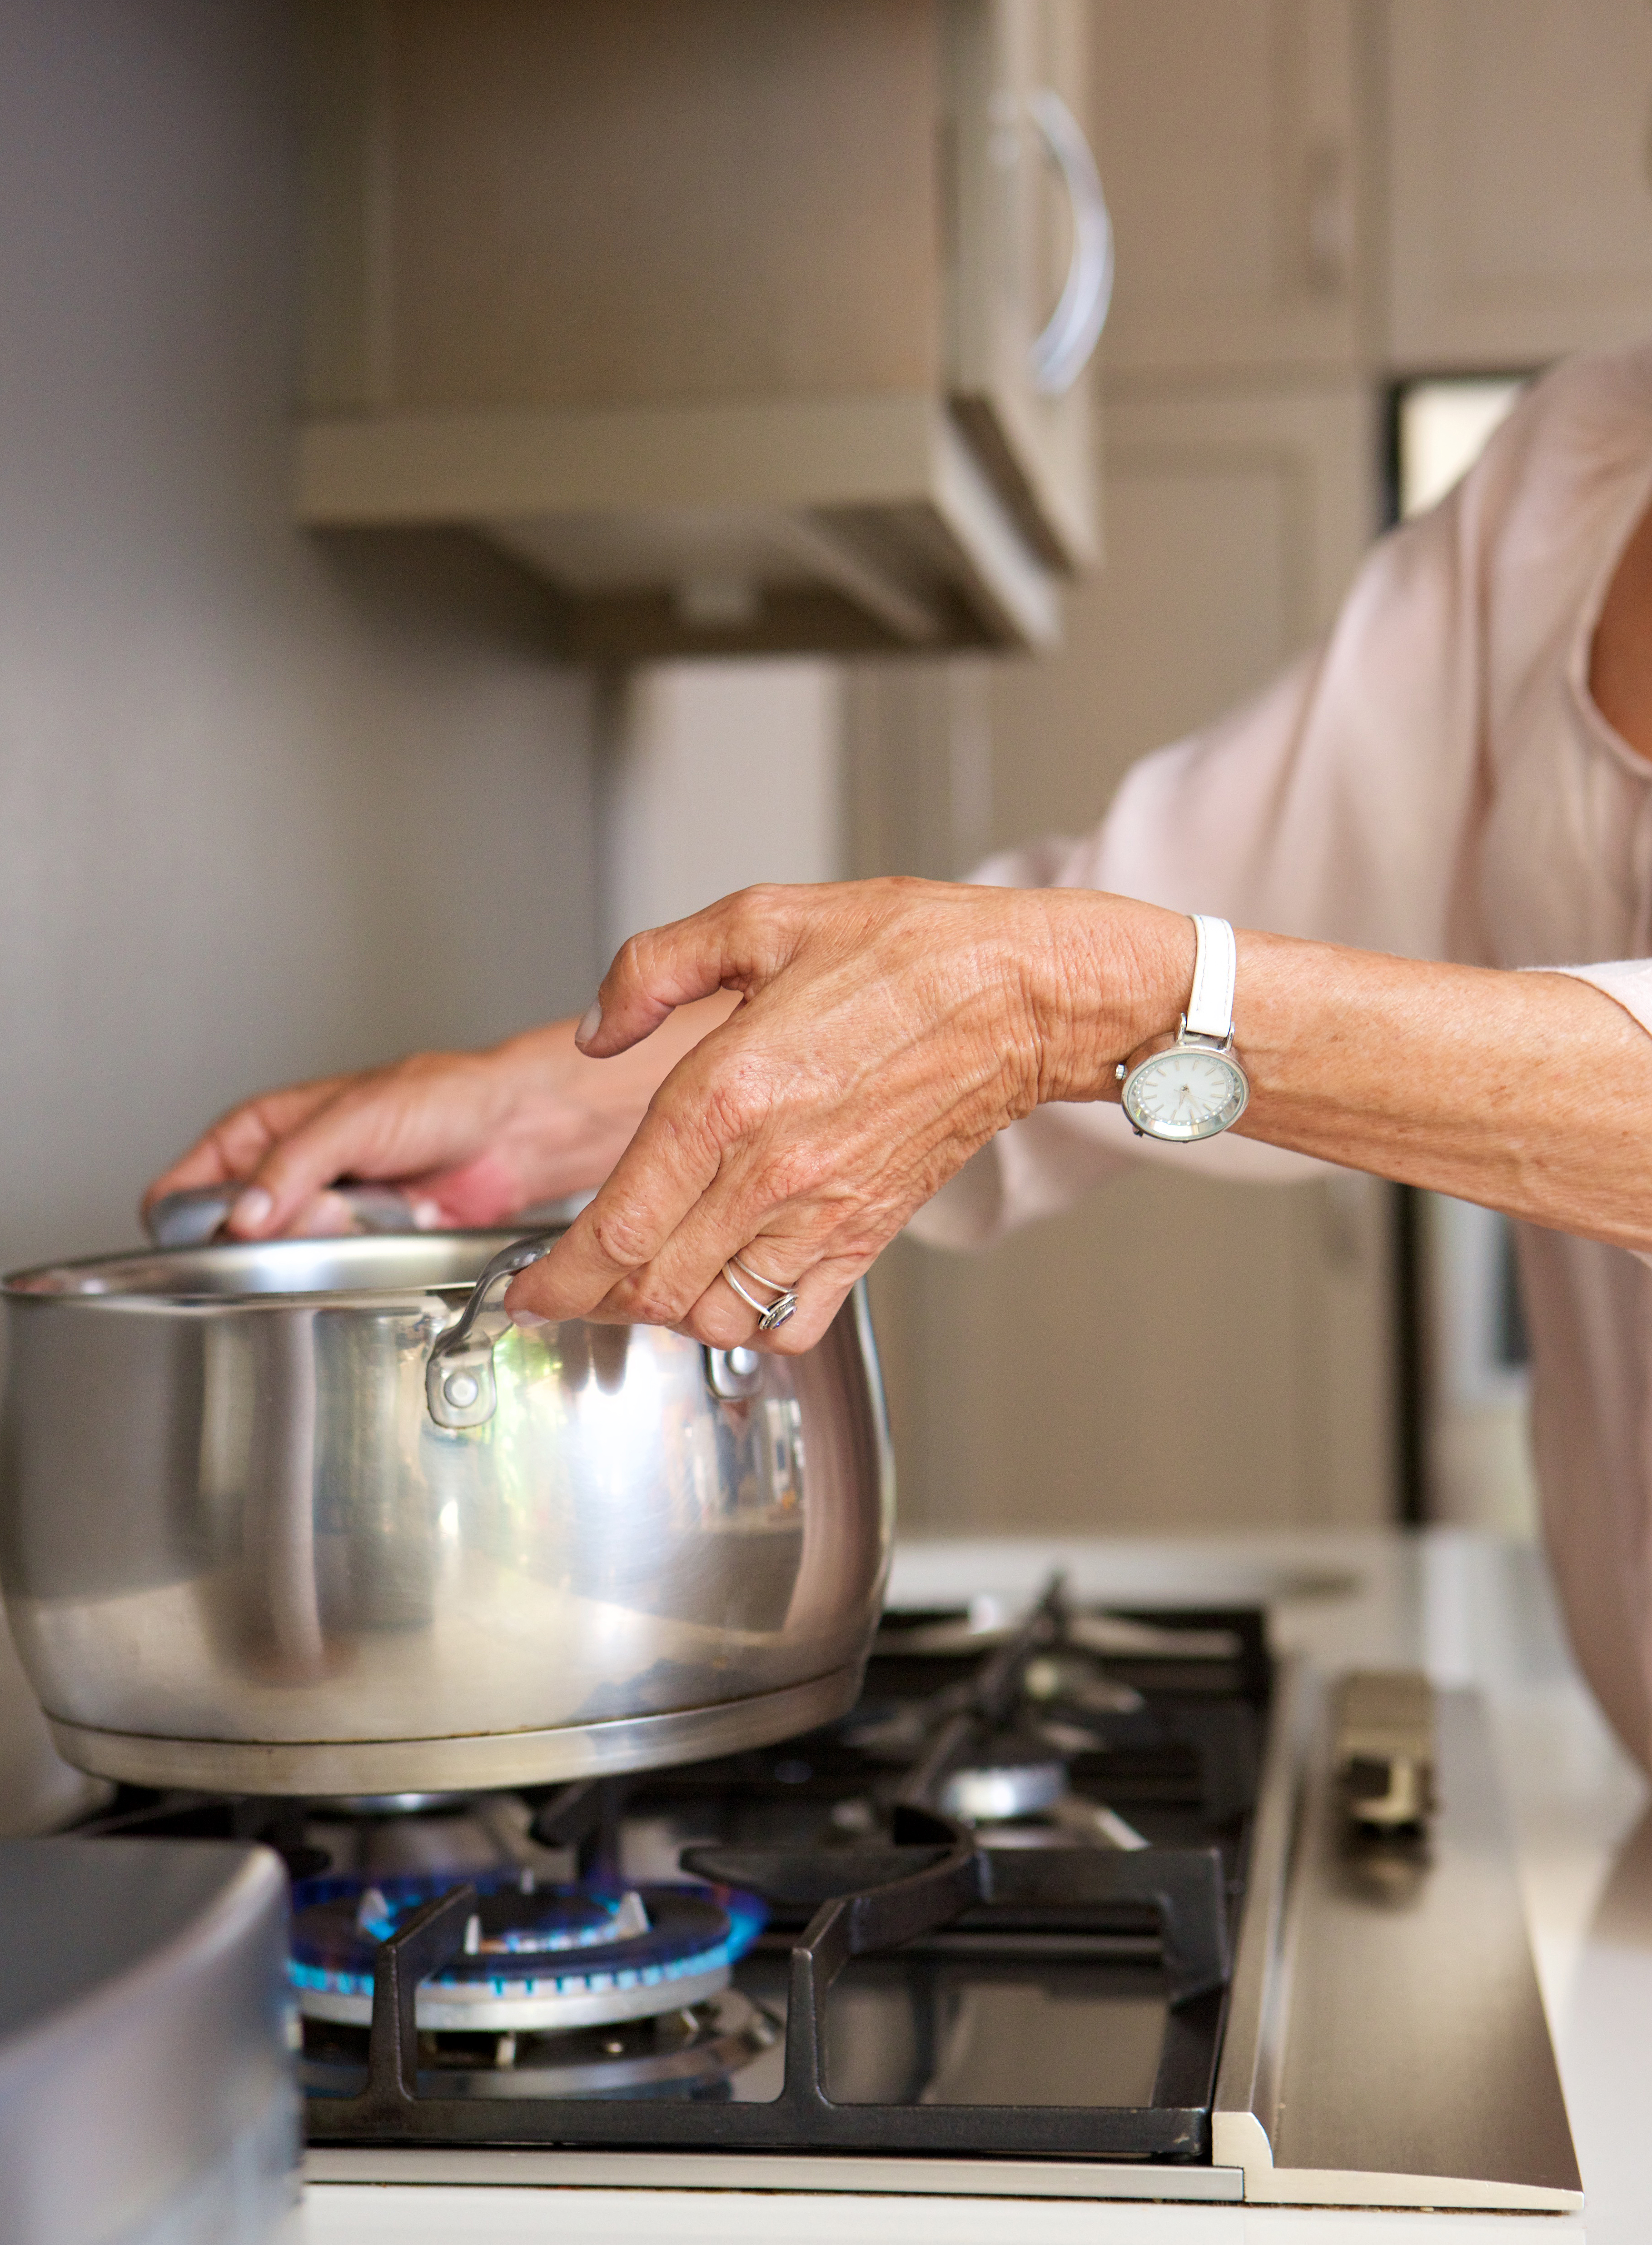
point(38, 1790)
point(239, 1552)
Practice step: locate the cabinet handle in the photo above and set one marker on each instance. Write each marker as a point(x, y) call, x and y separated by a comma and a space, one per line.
point(1061, 353)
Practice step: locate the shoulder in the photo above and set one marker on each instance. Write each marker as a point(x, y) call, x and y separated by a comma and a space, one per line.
point(1532, 533)
point(1575, 450)
point(1597, 396)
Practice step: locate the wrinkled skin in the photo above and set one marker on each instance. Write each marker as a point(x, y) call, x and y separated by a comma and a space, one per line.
point(887, 1030)
point(801, 1067)
point(883, 1030)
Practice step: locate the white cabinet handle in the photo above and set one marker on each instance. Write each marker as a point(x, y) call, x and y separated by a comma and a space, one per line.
point(1062, 352)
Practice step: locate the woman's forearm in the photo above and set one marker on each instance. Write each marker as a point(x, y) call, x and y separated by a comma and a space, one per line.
point(891, 1028)
point(801, 1069)
point(1529, 1092)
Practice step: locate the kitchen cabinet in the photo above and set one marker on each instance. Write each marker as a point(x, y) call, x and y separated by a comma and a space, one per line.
point(1311, 186)
point(1172, 1350)
point(1236, 171)
point(1520, 202)
point(749, 327)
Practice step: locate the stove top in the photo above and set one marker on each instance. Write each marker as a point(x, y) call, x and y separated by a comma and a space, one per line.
point(1026, 1907)
point(992, 1908)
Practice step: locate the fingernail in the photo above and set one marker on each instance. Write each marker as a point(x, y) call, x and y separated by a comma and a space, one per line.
point(427, 1215)
point(251, 1209)
point(529, 1321)
point(590, 1022)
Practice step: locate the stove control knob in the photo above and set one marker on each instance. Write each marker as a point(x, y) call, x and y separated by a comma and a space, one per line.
point(1384, 1751)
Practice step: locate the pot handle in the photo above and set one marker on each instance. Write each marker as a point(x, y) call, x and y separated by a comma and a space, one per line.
point(195, 1216)
point(733, 1375)
point(459, 1386)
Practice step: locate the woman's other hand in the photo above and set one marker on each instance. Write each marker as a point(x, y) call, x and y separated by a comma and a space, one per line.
point(469, 1137)
point(887, 1029)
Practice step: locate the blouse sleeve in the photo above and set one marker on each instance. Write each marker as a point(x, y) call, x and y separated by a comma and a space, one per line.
point(1627, 980)
point(1339, 805)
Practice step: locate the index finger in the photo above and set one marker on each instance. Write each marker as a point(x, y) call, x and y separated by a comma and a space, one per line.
point(232, 1149)
point(655, 1183)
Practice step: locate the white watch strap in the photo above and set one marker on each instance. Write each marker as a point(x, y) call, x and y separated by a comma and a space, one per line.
point(1215, 968)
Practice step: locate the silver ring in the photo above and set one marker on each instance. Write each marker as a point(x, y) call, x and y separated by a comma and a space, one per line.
point(769, 1314)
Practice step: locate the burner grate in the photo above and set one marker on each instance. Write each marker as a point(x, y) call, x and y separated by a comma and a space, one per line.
point(931, 1878)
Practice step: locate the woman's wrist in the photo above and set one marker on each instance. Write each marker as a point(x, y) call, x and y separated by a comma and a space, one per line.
point(1119, 975)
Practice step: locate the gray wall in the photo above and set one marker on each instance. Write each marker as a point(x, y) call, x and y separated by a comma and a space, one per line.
point(269, 803)
point(717, 775)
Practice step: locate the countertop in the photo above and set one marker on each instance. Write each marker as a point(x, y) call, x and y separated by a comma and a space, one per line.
point(1470, 1609)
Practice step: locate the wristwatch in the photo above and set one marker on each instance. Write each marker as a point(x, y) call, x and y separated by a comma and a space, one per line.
point(1191, 1086)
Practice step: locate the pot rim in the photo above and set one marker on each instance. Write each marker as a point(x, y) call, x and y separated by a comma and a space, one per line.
point(41, 1284)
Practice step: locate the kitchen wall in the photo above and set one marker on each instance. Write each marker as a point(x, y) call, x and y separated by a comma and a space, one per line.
point(716, 775)
point(269, 802)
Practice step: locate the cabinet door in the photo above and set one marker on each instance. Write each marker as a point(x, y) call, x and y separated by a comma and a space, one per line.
point(1227, 129)
point(601, 205)
point(1171, 1352)
point(1030, 270)
point(1521, 211)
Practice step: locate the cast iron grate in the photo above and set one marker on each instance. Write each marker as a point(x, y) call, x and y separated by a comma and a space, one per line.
point(929, 1876)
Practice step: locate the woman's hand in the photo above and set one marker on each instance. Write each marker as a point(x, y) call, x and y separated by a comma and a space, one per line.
point(887, 1029)
point(469, 1137)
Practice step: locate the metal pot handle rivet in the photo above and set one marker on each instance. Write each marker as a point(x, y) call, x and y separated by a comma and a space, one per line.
point(459, 1386)
point(732, 1375)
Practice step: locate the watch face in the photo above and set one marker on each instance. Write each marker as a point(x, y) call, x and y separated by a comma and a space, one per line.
point(1186, 1093)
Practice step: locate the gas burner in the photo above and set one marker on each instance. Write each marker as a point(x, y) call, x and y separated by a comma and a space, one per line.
point(1005, 1779)
point(683, 2052)
point(1077, 1680)
point(396, 1804)
point(989, 1622)
point(993, 1749)
point(535, 1957)
point(1017, 1796)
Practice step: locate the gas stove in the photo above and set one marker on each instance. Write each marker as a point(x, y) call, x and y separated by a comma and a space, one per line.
point(1074, 1902)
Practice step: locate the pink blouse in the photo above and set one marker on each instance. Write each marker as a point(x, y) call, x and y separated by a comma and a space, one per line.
point(1434, 780)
